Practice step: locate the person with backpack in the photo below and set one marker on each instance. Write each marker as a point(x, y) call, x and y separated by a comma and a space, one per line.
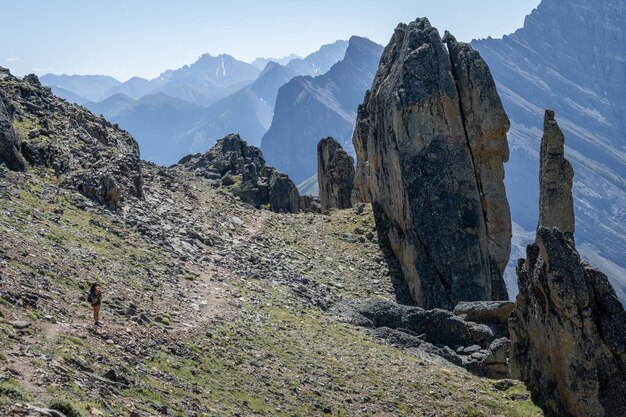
point(95, 299)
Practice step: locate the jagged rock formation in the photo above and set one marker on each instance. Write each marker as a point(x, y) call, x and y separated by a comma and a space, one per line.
point(556, 204)
point(335, 175)
point(478, 345)
point(86, 152)
point(233, 163)
point(568, 331)
point(431, 142)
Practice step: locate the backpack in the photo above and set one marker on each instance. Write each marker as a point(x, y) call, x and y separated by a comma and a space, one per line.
point(90, 297)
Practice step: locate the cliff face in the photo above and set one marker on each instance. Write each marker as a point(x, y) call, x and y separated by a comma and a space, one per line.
point(430, 141)
point(569, 57)
point(335, 175)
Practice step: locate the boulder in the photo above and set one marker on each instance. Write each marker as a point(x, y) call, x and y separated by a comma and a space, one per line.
point(431, 142)
point(497, 312)
point(480, 348)
point(335, 175)
point(556, 204)
point(568, 331)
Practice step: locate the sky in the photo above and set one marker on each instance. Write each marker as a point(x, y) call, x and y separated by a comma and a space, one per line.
point(126, 38)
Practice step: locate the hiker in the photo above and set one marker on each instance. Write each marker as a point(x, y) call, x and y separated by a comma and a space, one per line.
point(95, 299)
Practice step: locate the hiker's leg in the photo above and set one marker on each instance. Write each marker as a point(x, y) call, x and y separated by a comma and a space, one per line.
point(96, 313)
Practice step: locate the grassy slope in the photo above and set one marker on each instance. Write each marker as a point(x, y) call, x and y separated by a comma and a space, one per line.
point(230, 333)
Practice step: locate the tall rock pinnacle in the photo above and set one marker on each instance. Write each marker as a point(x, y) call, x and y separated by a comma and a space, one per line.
point(568, 331)
point(431, 143)
point(335, 175)
point(556, 205)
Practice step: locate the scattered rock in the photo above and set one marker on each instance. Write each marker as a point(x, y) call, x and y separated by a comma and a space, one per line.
point(471, 345)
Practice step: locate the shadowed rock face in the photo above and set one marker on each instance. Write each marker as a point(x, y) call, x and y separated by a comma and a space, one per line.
point(430, 141)
point(9, 153)
point(568, 331)
point(556, 205)
point(335, 175)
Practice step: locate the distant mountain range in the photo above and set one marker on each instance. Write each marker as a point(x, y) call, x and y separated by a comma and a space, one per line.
point(310, 108)
point(187, 110)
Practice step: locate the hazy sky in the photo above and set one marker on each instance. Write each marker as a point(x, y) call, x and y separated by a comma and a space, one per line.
point(123, 38)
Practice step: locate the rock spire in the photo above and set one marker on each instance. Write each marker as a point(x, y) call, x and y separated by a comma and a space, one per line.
point(556, 204)
point(431, 142)
point(335, 175)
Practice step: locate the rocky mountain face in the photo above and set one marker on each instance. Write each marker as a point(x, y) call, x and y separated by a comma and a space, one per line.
point(137, 87)
point(335, 175)
point(87, 153)
point(233, 163)
point(556, 206)
point(261, 62)
point(431, 142)
point(308, 109)
point(569, 57)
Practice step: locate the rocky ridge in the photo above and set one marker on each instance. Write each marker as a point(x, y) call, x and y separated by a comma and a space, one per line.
point(430, 141)
point(335, 175)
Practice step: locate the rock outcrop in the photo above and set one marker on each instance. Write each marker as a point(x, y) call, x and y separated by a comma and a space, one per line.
point(430, 143)
point(481, 346)
point(556, 204)
point(233, 163)
point(9, 145)
point(568, 331)
point(335, 175)
point(87, 153)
